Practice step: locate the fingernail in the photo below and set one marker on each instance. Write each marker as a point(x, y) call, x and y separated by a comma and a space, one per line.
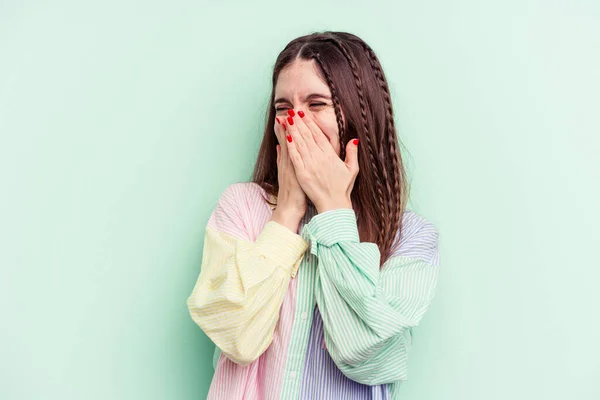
point(289, 138)
point(291, 112)
point(291, 120)
point(277, 119)
point(284, 126)
point(355, 141)
point(301, 114)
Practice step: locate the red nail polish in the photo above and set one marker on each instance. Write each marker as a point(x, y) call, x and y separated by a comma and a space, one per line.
point(301, 114)
point(355, 141)
point(289, 138)
point(277, 119)
point(291, 120)
point(291, 112)
point(284, 126)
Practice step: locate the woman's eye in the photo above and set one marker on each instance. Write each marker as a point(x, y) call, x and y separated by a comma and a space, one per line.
point(311, 105)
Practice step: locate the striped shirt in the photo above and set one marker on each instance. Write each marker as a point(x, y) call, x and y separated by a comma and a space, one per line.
point(308, 314)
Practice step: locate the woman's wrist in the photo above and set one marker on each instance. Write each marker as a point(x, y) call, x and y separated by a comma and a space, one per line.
point(288, 218)
point(334, 205)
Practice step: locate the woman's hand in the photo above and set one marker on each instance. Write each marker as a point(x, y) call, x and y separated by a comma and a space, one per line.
point(324, 177)
point(291, 199)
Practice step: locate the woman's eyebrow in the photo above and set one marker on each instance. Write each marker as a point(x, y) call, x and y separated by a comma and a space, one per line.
point(307, 98)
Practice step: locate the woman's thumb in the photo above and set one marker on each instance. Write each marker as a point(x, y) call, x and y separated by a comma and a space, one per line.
point(352, 154)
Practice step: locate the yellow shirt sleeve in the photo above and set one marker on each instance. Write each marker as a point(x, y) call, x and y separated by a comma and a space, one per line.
point(238, 295)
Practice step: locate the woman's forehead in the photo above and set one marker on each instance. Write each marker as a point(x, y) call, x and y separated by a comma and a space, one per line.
point(301, 76)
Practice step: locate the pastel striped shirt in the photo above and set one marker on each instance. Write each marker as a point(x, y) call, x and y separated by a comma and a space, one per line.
point(308, 314)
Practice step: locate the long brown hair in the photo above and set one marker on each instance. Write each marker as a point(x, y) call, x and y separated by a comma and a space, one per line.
point(359, 87)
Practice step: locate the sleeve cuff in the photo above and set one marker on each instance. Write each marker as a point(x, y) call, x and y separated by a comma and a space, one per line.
point(331, 227)
point(280, 244)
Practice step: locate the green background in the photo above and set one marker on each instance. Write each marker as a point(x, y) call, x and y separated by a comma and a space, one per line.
point(121, 122)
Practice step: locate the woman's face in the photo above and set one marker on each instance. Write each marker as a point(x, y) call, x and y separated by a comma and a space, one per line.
point(300, 88)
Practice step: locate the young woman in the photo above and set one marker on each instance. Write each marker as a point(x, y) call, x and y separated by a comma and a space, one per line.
point(314, 274)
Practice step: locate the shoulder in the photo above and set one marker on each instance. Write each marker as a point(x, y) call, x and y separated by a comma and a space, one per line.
point(418, 238)
point(415, 224)
point(243, 192)
point(241, 210)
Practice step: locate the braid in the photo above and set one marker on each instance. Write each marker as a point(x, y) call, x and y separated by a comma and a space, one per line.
point(397, 206)
point(372, 156)
point(336, 101)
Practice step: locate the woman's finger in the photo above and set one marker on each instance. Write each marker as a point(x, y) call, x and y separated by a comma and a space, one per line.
point(305, 131)
point(284, 157)
point(278, 147)
point(278, 130)
point(318, 135)
point(297, 140)
point(297, 160)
